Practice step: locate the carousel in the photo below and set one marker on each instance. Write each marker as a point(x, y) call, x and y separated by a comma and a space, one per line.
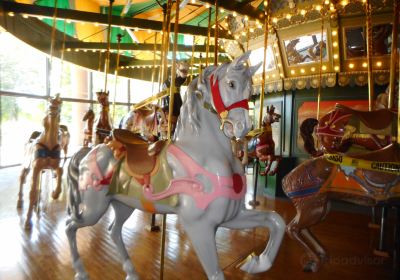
point(264, 117)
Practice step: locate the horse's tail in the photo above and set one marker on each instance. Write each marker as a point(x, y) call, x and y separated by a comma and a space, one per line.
point(74, 196)
point(306, 132)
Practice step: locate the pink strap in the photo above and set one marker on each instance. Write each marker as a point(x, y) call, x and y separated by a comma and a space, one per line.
point(233, 187)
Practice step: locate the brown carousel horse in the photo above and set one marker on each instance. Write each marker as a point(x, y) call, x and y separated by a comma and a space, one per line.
point(146, 122)
point(103, 123)
point(262, 146)
point(43, 151)
point(344, 129)
point(360, 176)
point(88, 130)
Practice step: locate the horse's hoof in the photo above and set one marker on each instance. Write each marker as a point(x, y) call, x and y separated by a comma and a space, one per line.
point(20, 204)
point(256, 264)
point(310, 266)
point(81, 276)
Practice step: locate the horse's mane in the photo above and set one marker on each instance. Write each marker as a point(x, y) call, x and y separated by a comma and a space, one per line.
point(196, 94)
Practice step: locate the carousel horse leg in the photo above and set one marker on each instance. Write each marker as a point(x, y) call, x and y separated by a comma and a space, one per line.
point(307, 234)
point(310, 211)
point(276, 228)
point(268, 164)
point(277, 162)
point(122, 213)
point(202, 235)
point(22, 179)
point(56, 193)
point(33, 195)
point(97, 204)
point(256, 166)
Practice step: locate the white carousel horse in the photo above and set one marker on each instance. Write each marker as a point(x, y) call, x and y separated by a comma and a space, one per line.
point(204, 182)
point(43, 151)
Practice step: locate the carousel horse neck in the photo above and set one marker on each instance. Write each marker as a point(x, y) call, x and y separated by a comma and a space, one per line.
point(51, 123)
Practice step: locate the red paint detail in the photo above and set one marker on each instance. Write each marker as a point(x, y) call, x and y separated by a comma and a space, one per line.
point(237, 183)
point(219, 104)
point(106, 180)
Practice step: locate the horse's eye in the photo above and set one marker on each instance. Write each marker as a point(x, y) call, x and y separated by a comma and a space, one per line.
point(231, 84)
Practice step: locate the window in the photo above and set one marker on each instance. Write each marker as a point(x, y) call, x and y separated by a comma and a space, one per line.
point(22, 68)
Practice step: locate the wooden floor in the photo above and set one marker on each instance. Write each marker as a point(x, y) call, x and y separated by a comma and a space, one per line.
point(44, 254)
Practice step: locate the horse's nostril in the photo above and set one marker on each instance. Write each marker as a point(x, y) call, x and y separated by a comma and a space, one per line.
point(239, 126)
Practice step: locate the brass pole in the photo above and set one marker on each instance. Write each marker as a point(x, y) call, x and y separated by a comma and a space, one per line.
point(398, 108)
point(321, 48)
point(173, 70)
point(161, 70)
point(192, 60)
point(153, 73)
point(119, 36)
point(63, 52)
point(171, 106)
point(53, 37)
point(266, 20)
point(107, 61)
point(216, 35)
point(208, 35)
point(393, 61)
point(369, 55)
point(166, 41)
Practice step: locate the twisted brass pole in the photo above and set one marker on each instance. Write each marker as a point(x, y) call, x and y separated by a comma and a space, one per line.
point(107, 61)
point(369, 55)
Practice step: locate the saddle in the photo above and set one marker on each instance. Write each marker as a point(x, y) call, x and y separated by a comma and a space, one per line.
point(390, 153)
point(376, 120)
point(140, 155)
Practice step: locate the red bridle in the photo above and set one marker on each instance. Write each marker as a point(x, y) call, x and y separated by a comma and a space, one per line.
point(219, 104)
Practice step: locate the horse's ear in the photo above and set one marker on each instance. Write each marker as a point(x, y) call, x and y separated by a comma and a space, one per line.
point(253, 69)
point(267, 109)
point(237, 63)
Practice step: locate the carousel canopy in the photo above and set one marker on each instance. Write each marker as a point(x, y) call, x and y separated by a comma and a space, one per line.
point(301, 33)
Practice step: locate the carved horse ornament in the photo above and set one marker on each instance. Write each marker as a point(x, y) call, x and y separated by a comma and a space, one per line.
point(145, 122)
point(195, 176)
point(103, 124)
point(345, 130)
point(348, 170)
point(88, 130)
point(43, 151)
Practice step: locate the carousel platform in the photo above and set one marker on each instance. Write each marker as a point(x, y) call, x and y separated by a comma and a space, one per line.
point(44, 253)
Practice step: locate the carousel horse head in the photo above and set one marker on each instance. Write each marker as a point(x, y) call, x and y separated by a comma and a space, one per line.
point(54, 105)
point(102, 97)
point(182, 69)
point(224, 89)
point(271, 116)
point(89, 115)
point(53, 111)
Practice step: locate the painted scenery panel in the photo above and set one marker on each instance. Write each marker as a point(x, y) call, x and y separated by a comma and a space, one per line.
point(306, 49)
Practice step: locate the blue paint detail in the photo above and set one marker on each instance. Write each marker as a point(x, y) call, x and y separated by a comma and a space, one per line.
point(43, 153)
point(303, 192)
